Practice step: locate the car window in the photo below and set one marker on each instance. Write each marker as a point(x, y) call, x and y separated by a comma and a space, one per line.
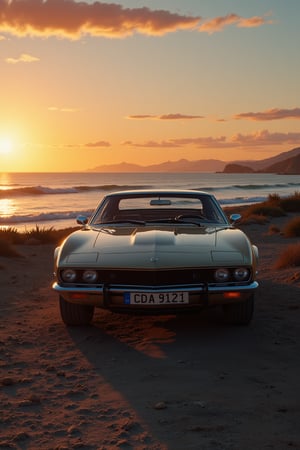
point(170, 203)
point(162, 207)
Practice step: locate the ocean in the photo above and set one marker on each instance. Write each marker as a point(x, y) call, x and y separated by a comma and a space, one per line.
point(55, 200)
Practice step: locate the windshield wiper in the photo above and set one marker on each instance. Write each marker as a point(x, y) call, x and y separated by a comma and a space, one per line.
point(130, 221)
point(175, 220)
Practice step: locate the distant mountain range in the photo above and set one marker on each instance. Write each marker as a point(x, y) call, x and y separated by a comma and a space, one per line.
point(286, 163)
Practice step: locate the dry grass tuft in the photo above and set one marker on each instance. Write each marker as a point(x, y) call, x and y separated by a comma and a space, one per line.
point(7, 249)
point(275, 206)
point(273, 229)
point(292, 228)
point(290, 257)
point(264, 209)
point(291, 203)
point(253, 218)
point(38, 235)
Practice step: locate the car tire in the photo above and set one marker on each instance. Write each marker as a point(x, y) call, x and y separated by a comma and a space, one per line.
point(240, 313)
point(75, 315)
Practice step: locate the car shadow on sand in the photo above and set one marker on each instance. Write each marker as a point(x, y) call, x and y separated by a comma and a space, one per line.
point(181, 374)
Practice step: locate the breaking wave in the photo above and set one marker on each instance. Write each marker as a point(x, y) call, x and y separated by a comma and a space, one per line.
point(45, 190)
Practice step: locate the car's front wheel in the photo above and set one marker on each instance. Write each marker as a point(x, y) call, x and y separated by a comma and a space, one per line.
point(240, 313)
point(73, 314)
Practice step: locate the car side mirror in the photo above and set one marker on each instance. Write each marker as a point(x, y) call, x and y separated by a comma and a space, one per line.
point(81, 220)
point(234, 218)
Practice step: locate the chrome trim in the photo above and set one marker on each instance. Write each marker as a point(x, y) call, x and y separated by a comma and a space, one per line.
point(119, 289)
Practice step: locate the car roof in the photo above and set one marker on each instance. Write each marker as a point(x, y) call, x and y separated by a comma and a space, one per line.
point(141, 192)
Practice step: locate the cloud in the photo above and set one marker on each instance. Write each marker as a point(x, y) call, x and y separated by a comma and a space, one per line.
point(219, 23)
point(72, 19)
point(200, 142)
point(270, 114)
point(176, 116)
point(23, 58)
point(256, 139)
point(97, 144)
point(264, 137)
point(141, 116)
point(69, 18)
point(152, 144)
point(64, 109)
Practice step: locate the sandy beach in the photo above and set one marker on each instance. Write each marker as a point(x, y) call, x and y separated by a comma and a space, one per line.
point(132, 382)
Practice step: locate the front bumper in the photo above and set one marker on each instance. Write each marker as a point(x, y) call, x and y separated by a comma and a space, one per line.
point(112, 296)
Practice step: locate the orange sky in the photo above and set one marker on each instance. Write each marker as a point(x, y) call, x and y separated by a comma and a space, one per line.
point(87, 83)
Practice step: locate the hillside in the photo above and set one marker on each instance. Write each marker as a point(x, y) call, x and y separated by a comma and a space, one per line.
point(183, 165)
point(262, 164)
point(290, 166)
point(286, 162)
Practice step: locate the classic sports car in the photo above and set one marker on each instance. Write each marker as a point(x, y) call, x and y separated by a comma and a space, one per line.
point(157, 251)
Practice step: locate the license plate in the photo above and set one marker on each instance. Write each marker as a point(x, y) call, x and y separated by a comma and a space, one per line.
point(156, 298)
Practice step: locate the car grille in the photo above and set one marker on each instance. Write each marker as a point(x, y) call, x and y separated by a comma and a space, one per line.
point(157, 277)
point(154, 278)
point(151, 277)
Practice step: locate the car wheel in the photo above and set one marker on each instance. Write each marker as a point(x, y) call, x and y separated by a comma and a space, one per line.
point(240, 313)
point(73, 314)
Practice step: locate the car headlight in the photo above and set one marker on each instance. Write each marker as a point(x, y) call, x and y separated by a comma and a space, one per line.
point(68, 275)
point(89, 276)
point(241, 274)
point(222, 275)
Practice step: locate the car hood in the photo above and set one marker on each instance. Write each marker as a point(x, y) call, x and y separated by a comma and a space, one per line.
point(150, 247)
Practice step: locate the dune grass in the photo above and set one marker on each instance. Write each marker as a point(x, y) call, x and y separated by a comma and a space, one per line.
point(290, 257)
point(9, 237)
point(292, 228)
point(274, 206)
point(7, 249)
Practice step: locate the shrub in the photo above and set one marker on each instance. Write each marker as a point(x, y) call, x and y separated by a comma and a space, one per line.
point(42, 235)
point(291, 203)
point(253, 218)
point(39, 234)
point(292, 228)
point(290, 257)
point(273, 229)
point(7, 250)
point(274, 198)
point(11, 235)
point(264, 209)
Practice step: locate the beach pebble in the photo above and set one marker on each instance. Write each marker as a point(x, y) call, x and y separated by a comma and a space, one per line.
point(8, 381)
point(160, 405)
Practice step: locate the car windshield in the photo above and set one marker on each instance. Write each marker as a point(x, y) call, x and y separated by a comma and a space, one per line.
point(141, 209)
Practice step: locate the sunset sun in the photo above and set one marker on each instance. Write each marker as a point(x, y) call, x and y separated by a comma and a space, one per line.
point(5, 146)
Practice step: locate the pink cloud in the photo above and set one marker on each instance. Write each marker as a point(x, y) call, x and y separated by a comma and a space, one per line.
point(176, 116)
point(218, 23)
point(23, 58)
point(72, 19)
point(152, 144)
point(264, 137)
point(63, 109)
point(270, 114)
point(141, 116)
point(252, 22)
point(97, 144)
point(256, 139)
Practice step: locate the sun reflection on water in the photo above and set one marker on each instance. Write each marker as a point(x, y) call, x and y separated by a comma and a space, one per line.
point(7, 208)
